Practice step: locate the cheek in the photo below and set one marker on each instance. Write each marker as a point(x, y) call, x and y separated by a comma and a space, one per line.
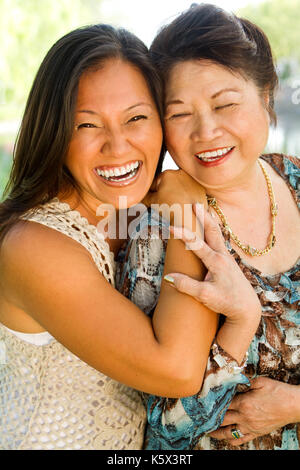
point(151, 143)
point(79, 152)
point(174, 141)
point(178, 145)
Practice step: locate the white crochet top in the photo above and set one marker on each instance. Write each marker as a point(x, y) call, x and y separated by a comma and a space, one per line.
point(51, 399)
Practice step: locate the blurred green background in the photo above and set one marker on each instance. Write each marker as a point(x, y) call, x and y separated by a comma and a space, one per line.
point(28, 28)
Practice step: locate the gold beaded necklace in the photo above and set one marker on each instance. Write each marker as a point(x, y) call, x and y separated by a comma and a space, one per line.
point(274, 211)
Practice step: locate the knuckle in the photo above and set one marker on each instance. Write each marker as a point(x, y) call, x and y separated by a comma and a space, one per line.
point(245, 406)
point(182, 284)
point(259, 381)
point(218, 258)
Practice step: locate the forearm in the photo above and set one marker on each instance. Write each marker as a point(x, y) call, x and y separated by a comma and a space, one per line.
point(180, 424)
point(180, 322)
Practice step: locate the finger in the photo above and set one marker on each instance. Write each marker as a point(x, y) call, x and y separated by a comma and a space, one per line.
point(188, 285)
point(225, 433)
point(201, 249)
point(242, 440)
point(234, 405)
point(212, 232)
point(220, 434)
point(258, 383)
point(231, 417)
point(198, 210)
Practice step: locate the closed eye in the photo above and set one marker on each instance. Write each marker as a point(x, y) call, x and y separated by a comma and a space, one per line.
point(225, 106)
point(179, 115)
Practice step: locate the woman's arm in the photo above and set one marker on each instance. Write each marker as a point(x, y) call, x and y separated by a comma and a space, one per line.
point(52, 279)
point(178, 424)
point(225, 289)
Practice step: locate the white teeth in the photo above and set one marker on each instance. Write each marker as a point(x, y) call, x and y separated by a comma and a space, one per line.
point(119, 171)
point(209, 156)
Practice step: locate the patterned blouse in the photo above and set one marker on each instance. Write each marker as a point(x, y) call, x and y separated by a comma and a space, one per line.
point(274, 352)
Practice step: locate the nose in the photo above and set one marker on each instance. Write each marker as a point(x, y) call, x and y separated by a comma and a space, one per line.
point(116, 144)
point(205, 128)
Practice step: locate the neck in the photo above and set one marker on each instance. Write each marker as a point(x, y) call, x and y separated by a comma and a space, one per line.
point(243, 191)
point(82, 201)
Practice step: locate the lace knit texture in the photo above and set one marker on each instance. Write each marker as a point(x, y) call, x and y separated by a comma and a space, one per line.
point(49, 398)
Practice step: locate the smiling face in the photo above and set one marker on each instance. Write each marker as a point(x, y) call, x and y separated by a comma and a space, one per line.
point(216, 123)
point(117, 138)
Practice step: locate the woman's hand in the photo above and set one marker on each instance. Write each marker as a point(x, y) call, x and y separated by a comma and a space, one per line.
point(268, 405)
point(225, 289)
point(174, 186)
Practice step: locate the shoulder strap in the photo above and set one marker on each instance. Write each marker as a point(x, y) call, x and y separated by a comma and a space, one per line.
point(59, 216)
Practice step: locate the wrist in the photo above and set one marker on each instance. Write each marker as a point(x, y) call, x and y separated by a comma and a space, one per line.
point(293, 400)
point(235, 336)
point(245, 318)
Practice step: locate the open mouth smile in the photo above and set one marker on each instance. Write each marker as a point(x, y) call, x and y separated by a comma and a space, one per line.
point(212, 157)
point(119, 175)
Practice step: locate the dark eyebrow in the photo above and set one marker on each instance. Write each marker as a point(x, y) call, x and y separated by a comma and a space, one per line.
point(168, 103)
point(138, 104)
point(89, 111)
point(215, 95)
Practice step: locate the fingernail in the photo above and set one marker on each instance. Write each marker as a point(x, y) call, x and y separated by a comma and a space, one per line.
point(169, 279)
point(198, 209)
point(177, 231)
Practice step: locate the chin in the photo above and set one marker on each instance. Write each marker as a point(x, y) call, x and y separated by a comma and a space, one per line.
point(127, 201)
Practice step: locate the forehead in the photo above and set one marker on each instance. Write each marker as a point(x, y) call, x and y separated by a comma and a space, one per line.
point(114, 81)
point(201, 76)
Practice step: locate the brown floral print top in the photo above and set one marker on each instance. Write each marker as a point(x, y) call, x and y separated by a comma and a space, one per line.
point(274, 352)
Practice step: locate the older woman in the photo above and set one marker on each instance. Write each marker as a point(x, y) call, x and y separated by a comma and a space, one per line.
point(219, 94)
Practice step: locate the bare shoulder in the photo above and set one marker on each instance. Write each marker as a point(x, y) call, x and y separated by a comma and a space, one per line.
point(30, 247)
point(30, 237)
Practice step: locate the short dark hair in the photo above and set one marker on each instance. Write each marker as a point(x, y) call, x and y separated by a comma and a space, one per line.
point(38, 171)
point(208, 32)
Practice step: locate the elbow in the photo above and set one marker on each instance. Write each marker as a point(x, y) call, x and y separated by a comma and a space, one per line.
point(186, 381)
point(189, 387)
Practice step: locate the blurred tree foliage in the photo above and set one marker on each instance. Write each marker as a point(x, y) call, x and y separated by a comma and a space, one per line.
point(28, 28)
point(280, 20)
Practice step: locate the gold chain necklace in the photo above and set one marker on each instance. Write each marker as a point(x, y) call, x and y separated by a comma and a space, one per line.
point(274, 211)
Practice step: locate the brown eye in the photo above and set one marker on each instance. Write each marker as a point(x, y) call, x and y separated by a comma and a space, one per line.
point(137, 118)
point(86, 125)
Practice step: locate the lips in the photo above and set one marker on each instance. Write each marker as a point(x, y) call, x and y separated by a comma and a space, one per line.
point(211, 155)
point(119, 175)
point(214, 157)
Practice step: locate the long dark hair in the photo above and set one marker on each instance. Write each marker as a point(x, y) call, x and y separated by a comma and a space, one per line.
point(208, 32)
point(38, 171)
